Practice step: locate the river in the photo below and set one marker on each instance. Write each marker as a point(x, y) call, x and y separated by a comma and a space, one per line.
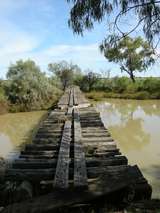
point(135, 125)
point(16, 129)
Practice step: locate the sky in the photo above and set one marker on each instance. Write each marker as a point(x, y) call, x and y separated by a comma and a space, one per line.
point(38, 30)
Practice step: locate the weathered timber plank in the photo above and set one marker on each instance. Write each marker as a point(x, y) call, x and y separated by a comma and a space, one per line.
point(33, 175)
point(64, 100)
point(90, 120)
point(97, 140)
point(45, 164)
point(110, 161)
point(108, 145)
point(46, 140)
point(48, 133)
point(44, 130)
point(94, 129)
point(41, 164)
point(96, 134)
point(80, 173)
point(75, 97)
point(50, 202)
point(40, 147)
point(37, 152)
point(44, 156)
point(100, 146)
point(79, 98)
point(91, 124)
point(62, 169)
point(69, 112)
point(71, 98)
point(109, 153)
point(92, 172)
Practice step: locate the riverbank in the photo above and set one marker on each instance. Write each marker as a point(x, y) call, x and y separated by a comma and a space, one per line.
point(6, 107)
point(100, 95)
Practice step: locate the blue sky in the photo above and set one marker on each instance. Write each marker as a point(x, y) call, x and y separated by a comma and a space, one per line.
point(38, 29)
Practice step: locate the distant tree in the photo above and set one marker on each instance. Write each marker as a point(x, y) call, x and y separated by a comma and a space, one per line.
point(85, 13)
point(78, 77)
point(28, 86)
point(89, 80)
point(65, 71)
point(132, 54)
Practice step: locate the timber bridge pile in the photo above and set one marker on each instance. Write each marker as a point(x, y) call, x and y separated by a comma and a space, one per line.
point(72, 161)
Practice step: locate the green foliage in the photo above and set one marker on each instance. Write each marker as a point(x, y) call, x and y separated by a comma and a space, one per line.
point(65, 72)
point(2, 93)
point(89, 81)
point(132, 54)
point(28, 87)
point(143, 88)
point(85, 13)
point(77, 78)
point(3, 98)
point(119, 84)
point(151, 85)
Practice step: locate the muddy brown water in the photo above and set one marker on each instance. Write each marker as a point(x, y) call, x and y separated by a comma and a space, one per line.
point(135, 125)
point(16, 129)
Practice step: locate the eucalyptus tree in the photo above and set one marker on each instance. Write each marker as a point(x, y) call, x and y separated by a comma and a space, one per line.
point(132, 54)
point(85, 13)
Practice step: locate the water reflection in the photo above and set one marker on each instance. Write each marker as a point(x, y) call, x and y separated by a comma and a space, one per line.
point(17, 128)
point(5, 145)
point(136, 127)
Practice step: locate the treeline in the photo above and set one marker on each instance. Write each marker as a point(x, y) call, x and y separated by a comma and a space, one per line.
point(123, 87)
point(27, 88)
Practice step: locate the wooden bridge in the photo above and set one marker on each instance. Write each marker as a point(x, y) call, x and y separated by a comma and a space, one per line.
point(72, 161)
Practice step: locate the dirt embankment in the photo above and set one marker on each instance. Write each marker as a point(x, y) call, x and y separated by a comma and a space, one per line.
point(3, 107)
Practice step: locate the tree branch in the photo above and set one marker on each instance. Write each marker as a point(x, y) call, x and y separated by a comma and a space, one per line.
point(121, 13)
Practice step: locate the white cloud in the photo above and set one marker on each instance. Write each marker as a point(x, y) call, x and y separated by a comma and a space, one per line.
point(83, 52)
point(16, 43)
point(86, 56)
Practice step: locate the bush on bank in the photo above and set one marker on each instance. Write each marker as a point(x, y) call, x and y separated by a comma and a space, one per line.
point(27, 88)
point(98, 96)
point(143, 88)
point(3, 99)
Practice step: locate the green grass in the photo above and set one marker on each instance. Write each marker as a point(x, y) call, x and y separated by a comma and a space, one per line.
point(142, 95)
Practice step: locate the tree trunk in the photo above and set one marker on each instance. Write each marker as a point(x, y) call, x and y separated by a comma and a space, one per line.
point(132, 77)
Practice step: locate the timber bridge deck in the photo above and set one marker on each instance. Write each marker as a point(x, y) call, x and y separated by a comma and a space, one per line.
point(71, 161)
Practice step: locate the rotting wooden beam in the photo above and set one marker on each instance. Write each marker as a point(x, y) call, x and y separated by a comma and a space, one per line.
point(71, 98)
point(62, 169)
point(80, 173)
point(52, 201)
point(50, 163)
point(75, 97)
point(53, 155)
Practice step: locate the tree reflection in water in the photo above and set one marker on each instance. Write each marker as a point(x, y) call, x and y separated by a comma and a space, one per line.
point(134, 124)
